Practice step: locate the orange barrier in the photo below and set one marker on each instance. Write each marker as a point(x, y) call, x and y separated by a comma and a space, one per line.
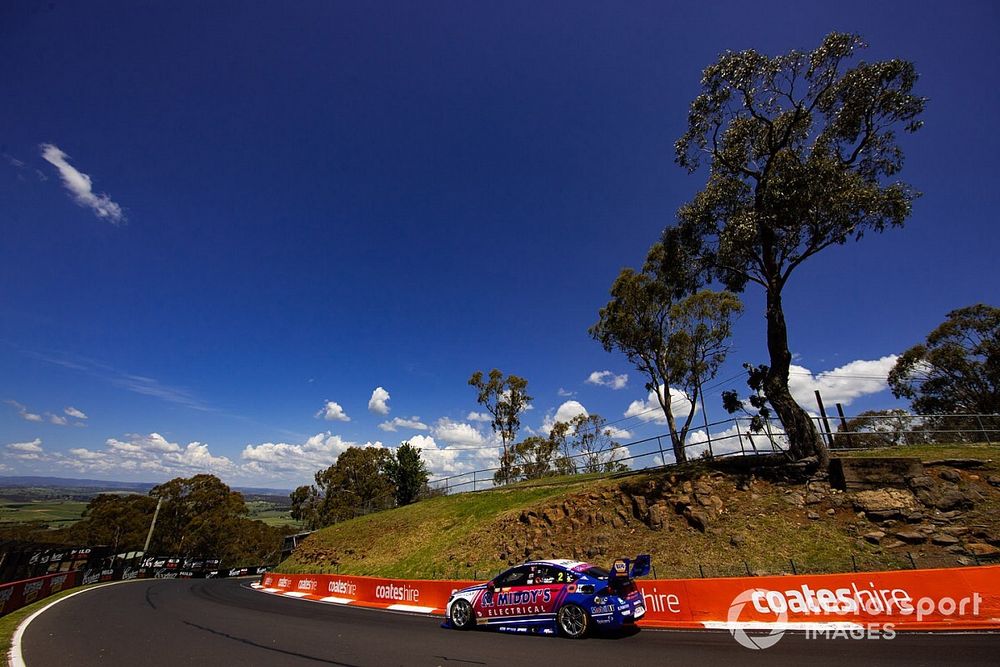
point(960, 598)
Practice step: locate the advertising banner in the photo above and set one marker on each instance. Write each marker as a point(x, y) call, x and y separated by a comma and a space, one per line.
point(959, 598)
point(20, 593)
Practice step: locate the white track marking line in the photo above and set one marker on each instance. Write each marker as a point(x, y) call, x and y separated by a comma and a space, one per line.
point(411, 607)
point(336, 600)
point(295, 594)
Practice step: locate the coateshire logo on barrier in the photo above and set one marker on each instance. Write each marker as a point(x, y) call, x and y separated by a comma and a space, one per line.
point(737, 628)
point(401, 593)
point(845, 613)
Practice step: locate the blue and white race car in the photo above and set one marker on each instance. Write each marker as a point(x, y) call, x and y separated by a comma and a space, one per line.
point(550, 596)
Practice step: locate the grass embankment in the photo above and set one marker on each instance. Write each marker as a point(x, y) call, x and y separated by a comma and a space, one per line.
point(763, 527)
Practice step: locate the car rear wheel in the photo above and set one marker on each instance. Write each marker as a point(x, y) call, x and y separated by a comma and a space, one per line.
point(461, 614)
point(573, 621)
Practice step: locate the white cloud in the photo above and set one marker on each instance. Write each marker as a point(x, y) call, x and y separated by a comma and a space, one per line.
point(649, 410)
point(33, 447)
point(73, 412)
point(841, 385)
point(565, 393)
point(378, 403)
point(283, 460)
point(25, 414)
point(442, 462)
point(564, 413)
point(331, 411)
point(58, 420)
point(618, 434)
point(398, 422)
point(479, 417)
point(608, 379)
point(456, 433)
point(80, 186)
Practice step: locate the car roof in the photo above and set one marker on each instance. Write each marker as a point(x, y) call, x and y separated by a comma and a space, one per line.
point(564, 563)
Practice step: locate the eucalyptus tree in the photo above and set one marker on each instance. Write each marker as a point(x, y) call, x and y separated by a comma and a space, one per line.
point(802, 153)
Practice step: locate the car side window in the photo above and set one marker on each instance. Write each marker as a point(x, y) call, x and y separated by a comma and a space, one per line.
point(547, 576)
point(515, 577)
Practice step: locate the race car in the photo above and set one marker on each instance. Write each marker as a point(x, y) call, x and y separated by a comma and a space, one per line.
point(553, 596)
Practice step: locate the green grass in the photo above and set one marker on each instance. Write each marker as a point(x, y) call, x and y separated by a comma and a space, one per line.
point(56, 513)
point(465, 535)
point(412, 541)
point(9, 623)
point(932, 452)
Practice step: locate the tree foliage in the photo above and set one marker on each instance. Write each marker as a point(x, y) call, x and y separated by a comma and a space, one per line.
point(118, 520)
point(407, 472)
point(957, 369)
point(802, 150)
point(505, 398)
point(881, 428)
point(358, 482)
point(677, 339)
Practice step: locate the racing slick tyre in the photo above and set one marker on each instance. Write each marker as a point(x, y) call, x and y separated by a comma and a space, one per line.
point(461, 615)
point(573, 621)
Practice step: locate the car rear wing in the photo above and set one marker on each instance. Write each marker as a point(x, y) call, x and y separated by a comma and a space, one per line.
point(624, 568)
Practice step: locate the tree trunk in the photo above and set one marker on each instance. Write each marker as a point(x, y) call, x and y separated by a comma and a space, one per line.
point(803, 438)
point(680, 454)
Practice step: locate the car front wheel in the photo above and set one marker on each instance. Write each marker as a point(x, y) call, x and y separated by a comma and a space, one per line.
point(573, 621)
point(461, 614)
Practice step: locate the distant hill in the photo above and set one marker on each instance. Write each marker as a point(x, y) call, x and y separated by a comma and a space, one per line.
point(110, 485)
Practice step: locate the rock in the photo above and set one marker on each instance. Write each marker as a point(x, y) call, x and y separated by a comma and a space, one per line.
point(882, 516)
point(893, 501)
point(553, 515)
point(958, 463)
point(993, 480)
point(943, 540)
point(813, 499)
point(795, 499)
point(950, 475)
point(813, 516)
point(981, 549)
point(873, 537)
point(893, 544)
point(921, 482)
point(945, 498)
point(957, 531)
point(657, 516)
point(913, 517)
point(616, 522)
point(737, 541)
point(831, 512)
point(910, 536)
point(872, 472)
point(640, 506)
point(697, 519)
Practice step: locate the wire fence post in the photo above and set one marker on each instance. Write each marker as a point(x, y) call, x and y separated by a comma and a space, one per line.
point(473, 480)
point(739, 435)
point(983, 429)
point(704, 416)
point(659, 443)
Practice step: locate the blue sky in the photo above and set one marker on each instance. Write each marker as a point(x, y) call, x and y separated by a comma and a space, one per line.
point(296, 204)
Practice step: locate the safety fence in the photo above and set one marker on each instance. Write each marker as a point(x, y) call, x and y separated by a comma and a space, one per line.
point(735, 437)
point(966, 598)
point(17, 594)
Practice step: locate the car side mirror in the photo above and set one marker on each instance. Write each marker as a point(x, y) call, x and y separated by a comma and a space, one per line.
point(491, 587)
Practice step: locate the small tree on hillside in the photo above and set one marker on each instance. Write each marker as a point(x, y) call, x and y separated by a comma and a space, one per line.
point(357, 483)
point(408, 473)
point(956, 371)
point(505, 399)
point(597, 449)
point(676, 341)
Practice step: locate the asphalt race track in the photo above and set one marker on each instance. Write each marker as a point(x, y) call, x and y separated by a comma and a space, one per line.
point(225, 622)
